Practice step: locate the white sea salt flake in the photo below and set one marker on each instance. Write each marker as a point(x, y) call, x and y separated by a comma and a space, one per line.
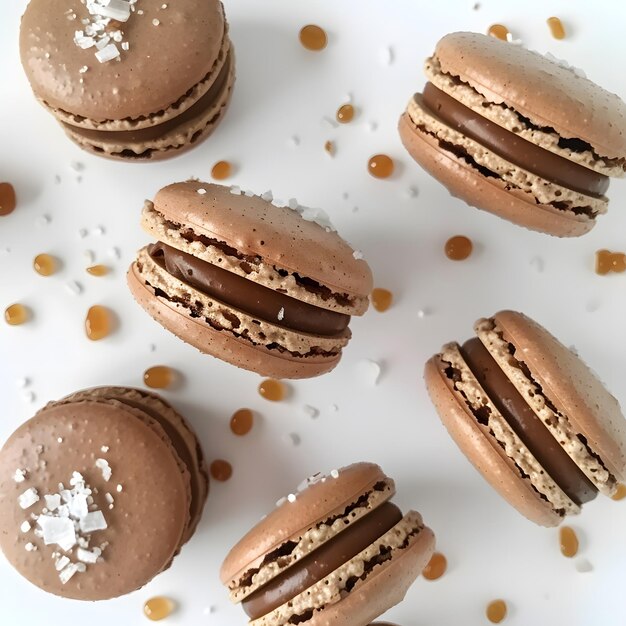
point(22, 382)
point(29, 396)
point(291, 498)
point(60, 563)
point(292, 438)
point(371, 370)
point(25, 526)
point(93, 521)
point(42, 220)
point(319, 216)
point(118, 10)
point(104, 449)
point(58, 530)
point(108, 54)
point(88, 556)
point(583, 566)
point(67, 573)
point(281, 314)
point(99, 230)
point(209, 610)
point(81, 567)
point(103, 466)
point(249, 193)
point(119, 488)
point(333, 408)
point(293, 204)
point(334, 473)
point(201, 191)
point(329, 122)
point(125, 46)
point(236, 191)
point(422, 313)
point(310, 411)
point(82, 232)
point(78, 505)
point(358, 255)
point(89, 256)
point(30, 547)
point(109, 498)
point(28, 498)
point(267, 196)
point(73, 287)
point(116, 35)
point(114, 253)
point(386, 55)
point(281, 501)
point(102, 43)
point(20, 475)
point(155, 22)
point(371, 126)
point(53, 502)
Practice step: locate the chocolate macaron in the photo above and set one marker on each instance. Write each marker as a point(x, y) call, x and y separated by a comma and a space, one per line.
point(130, 80)
point(530, 416)
point(99, 491)
point(261, 286)
point(517, 134)
point(336, 552)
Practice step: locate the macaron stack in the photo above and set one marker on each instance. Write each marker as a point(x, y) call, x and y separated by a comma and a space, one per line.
point(336, 552)
point(517, 134)
point(261, 286)
point(130, 80)
point(99, 491)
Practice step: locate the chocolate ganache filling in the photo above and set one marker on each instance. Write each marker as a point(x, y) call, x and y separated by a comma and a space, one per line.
point(528, 427)
point(322, 561)
point(246, 295)
point(511, 147)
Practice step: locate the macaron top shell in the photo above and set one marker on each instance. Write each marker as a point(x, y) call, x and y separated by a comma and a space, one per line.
point(170, 50)
point(256, 227)
point(322, 497)
point(145, 521)
point(547, 93)
point(575, 390)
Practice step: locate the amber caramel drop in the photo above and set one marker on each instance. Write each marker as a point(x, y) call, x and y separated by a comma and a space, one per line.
point(496, 611)
point(556, 27)
point(345, 113)
point(45, 264)
point(329, 146)
point(158, 608)
point(380, 166)
point(16, 314)
point(241, 422)
point(221, 470)
point(499, 31)
point(221, 170)
point(458, 248)
point(98, 270)
point(7, 198)
point(568, 541)
point(381, 299)
point(159, 377)
point(98, 322)
point(620, 493)
point(607, 261)
point(313, 37)
point(436, 567)
point(272, 389)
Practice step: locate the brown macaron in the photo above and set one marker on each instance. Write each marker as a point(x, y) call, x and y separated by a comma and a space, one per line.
point(99, 491)
point(517, 134)
point(335, 552)
point(257, 285)
point(531, 417)
point(130, 80)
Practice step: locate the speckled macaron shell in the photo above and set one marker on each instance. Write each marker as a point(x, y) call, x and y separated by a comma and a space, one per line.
point(304, 522)
point(501, 467)
point(580, 397)
point(155, 495)
point(163, 63)
point(279, 235)
point(543, 91)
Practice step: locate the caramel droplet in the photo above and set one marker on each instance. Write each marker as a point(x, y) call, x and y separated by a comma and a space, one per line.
point(381, 299)
point(7, 198)
point(329, 146)
point(496, 611)
point(16, 314)
point(158, 377)
point(499, 31)
point(45, 264)
point(221, 470)
point(98, 323)
point(620, 493)
point(458, 248)
point(607, 261)
point(221, 170)
point(158, 608)
point(345, 113)
point(272, 389)
point(556, 27)
point(436, 567)
point(241, 422)
point(568, 541)
point(98, 270)
point(380, 166)
point(313, 37)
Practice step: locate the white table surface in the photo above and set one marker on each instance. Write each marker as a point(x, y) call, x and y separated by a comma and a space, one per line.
point(284, 91)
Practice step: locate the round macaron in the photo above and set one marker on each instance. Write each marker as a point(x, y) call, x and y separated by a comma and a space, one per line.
point(99, 491)
point(130, 80)
point(531, 416)
point(335, 552)
point(517, 134)
point(261, 286)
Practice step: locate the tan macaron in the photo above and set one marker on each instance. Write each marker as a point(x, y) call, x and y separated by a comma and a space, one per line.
point(257, 285)
point(531, 417)
point(516, 134)
point(99, 491)
point(335, 552)
point(131, 81)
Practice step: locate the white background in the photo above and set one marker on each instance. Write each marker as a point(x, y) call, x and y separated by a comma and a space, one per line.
point(281, 91)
